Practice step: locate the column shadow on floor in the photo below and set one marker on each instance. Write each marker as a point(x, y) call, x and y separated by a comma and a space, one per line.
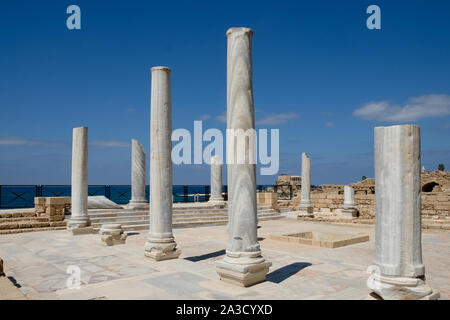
point(14, 282)
point(132, 233)
point(206, 256)
point(285, 272)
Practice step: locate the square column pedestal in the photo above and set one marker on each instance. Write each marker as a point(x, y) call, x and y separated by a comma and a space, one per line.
point(348, 213)
point(243, 269)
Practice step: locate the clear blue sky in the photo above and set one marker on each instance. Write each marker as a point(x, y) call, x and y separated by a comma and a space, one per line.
point(320, 76)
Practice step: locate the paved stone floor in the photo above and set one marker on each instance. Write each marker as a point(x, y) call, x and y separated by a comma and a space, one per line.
point(38, 262)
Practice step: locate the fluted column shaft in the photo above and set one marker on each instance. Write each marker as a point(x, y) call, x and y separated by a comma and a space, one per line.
point(306, 181)
point(243, 263)
point(216, 179)
point(161, 244)
point(349, 198)
point(399, 270)
point(241, 115)
point(79, 217)
point(138, 174)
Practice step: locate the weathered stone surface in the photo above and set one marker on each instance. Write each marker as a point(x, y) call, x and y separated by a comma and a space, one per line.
point(322, 239)
point(101, 202)
point(305, 201)
point(160, 243)
point(216, 181)
point(54, 208)
point(268, 198)
point(243, 264)
point(398, 270)
point(305, 208)
point(79, 217)
point(349, 198)
point(82, 230)
point(112, 234)
point(346, 213)
point(138, 176)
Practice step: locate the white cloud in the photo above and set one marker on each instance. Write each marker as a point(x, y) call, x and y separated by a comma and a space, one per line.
point(329, 124)
point(222, 118)
point(277, 118)
point(204, 117)
point(427, 106)
point(16, 141)
point(109, 144)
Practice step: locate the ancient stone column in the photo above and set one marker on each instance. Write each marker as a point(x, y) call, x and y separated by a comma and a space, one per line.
point(243, 264)
point(216, 181)
point(398, 271)
point(138, 176)
point(79, 221)
point(348, 210)
point(349, 198)
point(305, 208)
point(160, 243)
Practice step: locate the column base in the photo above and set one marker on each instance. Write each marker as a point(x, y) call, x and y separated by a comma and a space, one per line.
point(161, 249)
point(243, 269)
point(138, 205)
point(217, 201)
point(78, 222)
point(112, 234)
point(306, 211)
point(81, 231)
point(400, 288)
point(346, 213)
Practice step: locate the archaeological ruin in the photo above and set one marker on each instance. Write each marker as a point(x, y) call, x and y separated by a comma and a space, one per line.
point(292, 240)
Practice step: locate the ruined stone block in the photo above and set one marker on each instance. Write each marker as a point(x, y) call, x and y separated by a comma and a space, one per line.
point(112, 234)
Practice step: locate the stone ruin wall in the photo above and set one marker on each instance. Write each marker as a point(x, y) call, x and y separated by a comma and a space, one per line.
point(435, 204)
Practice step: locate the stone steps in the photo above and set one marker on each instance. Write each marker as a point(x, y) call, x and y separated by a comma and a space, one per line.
point(197, 223)
point(17, 221)
point(138, 214)
point(23, 219)
point(61, 225)
point(138, 221)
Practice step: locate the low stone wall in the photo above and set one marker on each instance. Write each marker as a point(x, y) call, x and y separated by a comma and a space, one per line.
point(434, 205)
point(267, 198)
point(48, 214)
point(53, 208)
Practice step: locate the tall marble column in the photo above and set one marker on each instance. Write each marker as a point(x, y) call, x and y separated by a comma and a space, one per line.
point(216, 181)
point(243, 263)
point(79, 222)
point(305, 208)
point(398, 271)
point(160, 243)
point(138, 176)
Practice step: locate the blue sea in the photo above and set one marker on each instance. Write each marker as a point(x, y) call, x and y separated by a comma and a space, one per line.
point(22, 196)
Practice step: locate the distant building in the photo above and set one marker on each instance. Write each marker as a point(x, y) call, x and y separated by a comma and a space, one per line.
point(286, 179)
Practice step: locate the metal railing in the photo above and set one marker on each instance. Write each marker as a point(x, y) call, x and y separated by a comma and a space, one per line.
point(22, 196)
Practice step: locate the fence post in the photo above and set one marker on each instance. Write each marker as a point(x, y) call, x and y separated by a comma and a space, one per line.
point(207, 191)
point(108, 191)
point(185, 193)
point(0, 196)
